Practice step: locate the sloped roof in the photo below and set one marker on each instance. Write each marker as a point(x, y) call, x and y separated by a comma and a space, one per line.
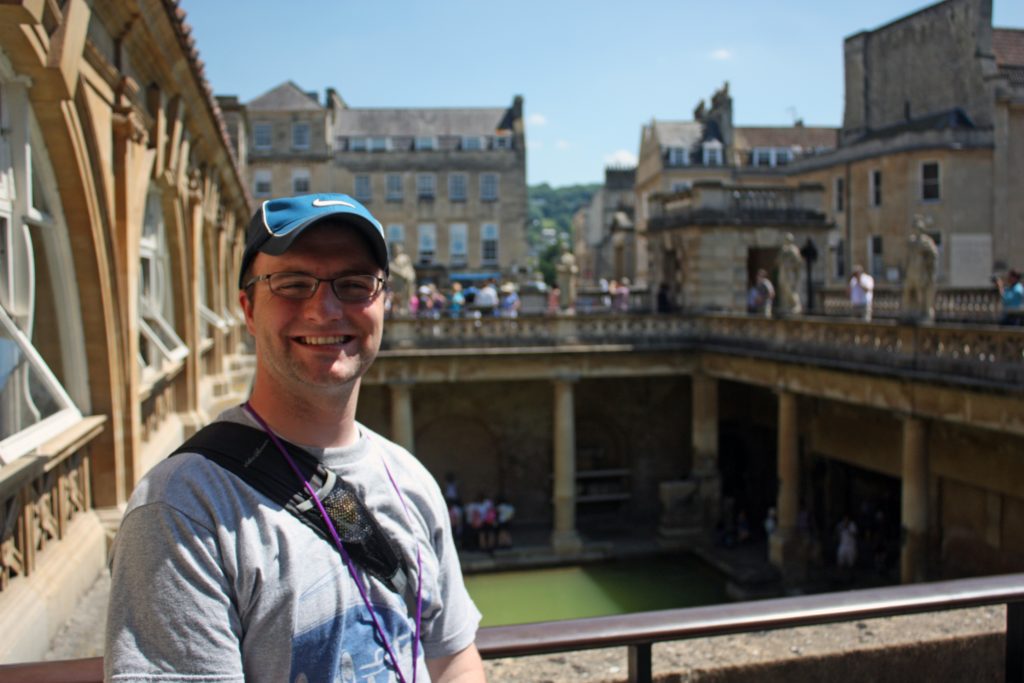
point(1008, 46)
point(678, 133)
point(286, 97)
point(749, 137)
point(420, 122)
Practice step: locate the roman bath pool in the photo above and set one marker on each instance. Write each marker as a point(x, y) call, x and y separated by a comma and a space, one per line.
point(597, 589)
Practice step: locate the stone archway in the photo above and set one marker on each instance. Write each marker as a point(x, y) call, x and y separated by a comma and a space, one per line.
point(464, 446)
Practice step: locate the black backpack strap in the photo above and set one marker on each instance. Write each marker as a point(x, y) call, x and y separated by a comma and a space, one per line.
point(250, 454)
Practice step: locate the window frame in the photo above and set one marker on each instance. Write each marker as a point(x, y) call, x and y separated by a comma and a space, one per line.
point(925, 183)
point(490, 236)
point(301, 174)
point(362, 187)
point(257, 129)
point(426, 186)
point(487, 179)
point(458, 191)
point(297, 141)
point(458, 232)
point(394, 192)
point(258, 176)
point(426, 233)
point(875, 188)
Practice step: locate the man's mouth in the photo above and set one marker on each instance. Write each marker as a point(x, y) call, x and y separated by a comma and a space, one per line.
point(324, 341)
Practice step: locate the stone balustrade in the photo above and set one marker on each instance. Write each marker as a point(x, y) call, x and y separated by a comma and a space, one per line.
point(985, 354)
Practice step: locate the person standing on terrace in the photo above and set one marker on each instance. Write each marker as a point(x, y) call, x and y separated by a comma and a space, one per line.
point(861, 290)
point(1012, 294)
point(297, 544)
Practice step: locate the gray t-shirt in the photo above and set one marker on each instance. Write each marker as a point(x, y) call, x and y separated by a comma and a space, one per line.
point(213, 581)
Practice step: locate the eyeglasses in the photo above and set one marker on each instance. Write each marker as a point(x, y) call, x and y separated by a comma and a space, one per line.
point(351, 289)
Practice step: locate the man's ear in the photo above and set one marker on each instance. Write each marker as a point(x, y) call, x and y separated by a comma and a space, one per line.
point(247, 308)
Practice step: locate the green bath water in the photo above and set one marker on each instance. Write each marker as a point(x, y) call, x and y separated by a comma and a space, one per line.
point(592, 590)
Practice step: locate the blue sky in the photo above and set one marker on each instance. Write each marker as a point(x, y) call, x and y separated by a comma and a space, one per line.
point(591, 73)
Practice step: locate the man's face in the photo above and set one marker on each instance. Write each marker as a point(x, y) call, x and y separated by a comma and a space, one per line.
point(317, 344)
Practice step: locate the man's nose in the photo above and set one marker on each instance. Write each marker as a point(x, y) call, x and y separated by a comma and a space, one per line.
point(324, 303)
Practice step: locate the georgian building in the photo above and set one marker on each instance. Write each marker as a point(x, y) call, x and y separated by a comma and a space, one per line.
point(714, 204)
point(605, 239)
point(121, 211)
point(945, 143)
point(449, 185)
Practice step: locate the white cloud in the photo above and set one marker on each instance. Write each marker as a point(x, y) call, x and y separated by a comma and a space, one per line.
point(621, 157)
point(721, 54)
point(562, 144)
point(537, 120)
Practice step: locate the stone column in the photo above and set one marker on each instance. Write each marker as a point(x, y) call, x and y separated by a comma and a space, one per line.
point(705, 447)
point(914, 501)
point(401, 414)
point(564, 538)
point(784, 543)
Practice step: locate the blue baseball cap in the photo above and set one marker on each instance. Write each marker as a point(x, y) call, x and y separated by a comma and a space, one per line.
point(277, 223)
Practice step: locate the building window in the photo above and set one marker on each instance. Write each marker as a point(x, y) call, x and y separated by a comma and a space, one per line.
point(712, 153)
point(930, 181)
point(380, 144)
point(425, 144)
point(396, 236)
point(771, 156)
point(300, 181)
point(159, 344)
point(501, 142)
point(361, 187)
point(261, 185)
point(472, 143)
point(875, 188)
point(681, 186)
point(678, 156)
point(458, 242)
point(394, 181)
point(489, 244)
point(877, 264)
point(357, 144)
point(488, 187)
point(262, 136)
point(426, 185)
point(300, 135)
point(457, 187)
point(839, 194)
point(427, 241)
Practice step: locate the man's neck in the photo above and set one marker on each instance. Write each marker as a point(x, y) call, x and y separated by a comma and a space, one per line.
point(308, 420)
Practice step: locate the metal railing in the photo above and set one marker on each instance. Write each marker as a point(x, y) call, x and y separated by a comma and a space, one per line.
point(639, 632)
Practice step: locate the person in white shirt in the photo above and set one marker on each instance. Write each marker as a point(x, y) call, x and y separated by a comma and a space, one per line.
point(862, 292)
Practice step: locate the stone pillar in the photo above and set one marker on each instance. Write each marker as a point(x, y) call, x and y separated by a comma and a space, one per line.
point(914, 502)
point(564, 538)
point(401, 414)
point(705, 447)
point(784, 543)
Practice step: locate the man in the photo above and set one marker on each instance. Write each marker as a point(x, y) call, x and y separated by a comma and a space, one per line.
point(213, 580)
point(861, 290)
point(1012, 294)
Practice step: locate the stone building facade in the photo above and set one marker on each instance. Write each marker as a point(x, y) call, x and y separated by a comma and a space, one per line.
point(121, 208)
point(944, 143)
point(449, 185)
point(606, 239)
point(714, 204)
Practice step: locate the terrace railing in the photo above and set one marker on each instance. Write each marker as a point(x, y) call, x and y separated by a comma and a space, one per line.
point(639, 632)
point(970, 354)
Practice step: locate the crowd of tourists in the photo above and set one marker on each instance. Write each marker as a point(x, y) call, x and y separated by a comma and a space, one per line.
point(481, 523)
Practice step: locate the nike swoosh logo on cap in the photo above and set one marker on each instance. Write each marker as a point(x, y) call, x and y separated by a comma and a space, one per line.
point(331, 202)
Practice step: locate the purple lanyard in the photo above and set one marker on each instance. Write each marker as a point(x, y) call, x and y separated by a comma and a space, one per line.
point(344, 553)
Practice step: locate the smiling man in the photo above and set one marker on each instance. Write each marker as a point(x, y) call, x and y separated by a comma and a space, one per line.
point(287, 542)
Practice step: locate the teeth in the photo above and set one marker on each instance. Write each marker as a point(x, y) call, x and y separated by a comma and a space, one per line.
point(318, 341)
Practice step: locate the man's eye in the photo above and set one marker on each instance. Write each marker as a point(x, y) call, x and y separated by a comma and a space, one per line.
point(354, 285)
point(292, 284)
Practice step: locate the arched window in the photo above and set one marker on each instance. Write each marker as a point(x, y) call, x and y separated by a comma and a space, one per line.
point(40, 320)
point(160, 347)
